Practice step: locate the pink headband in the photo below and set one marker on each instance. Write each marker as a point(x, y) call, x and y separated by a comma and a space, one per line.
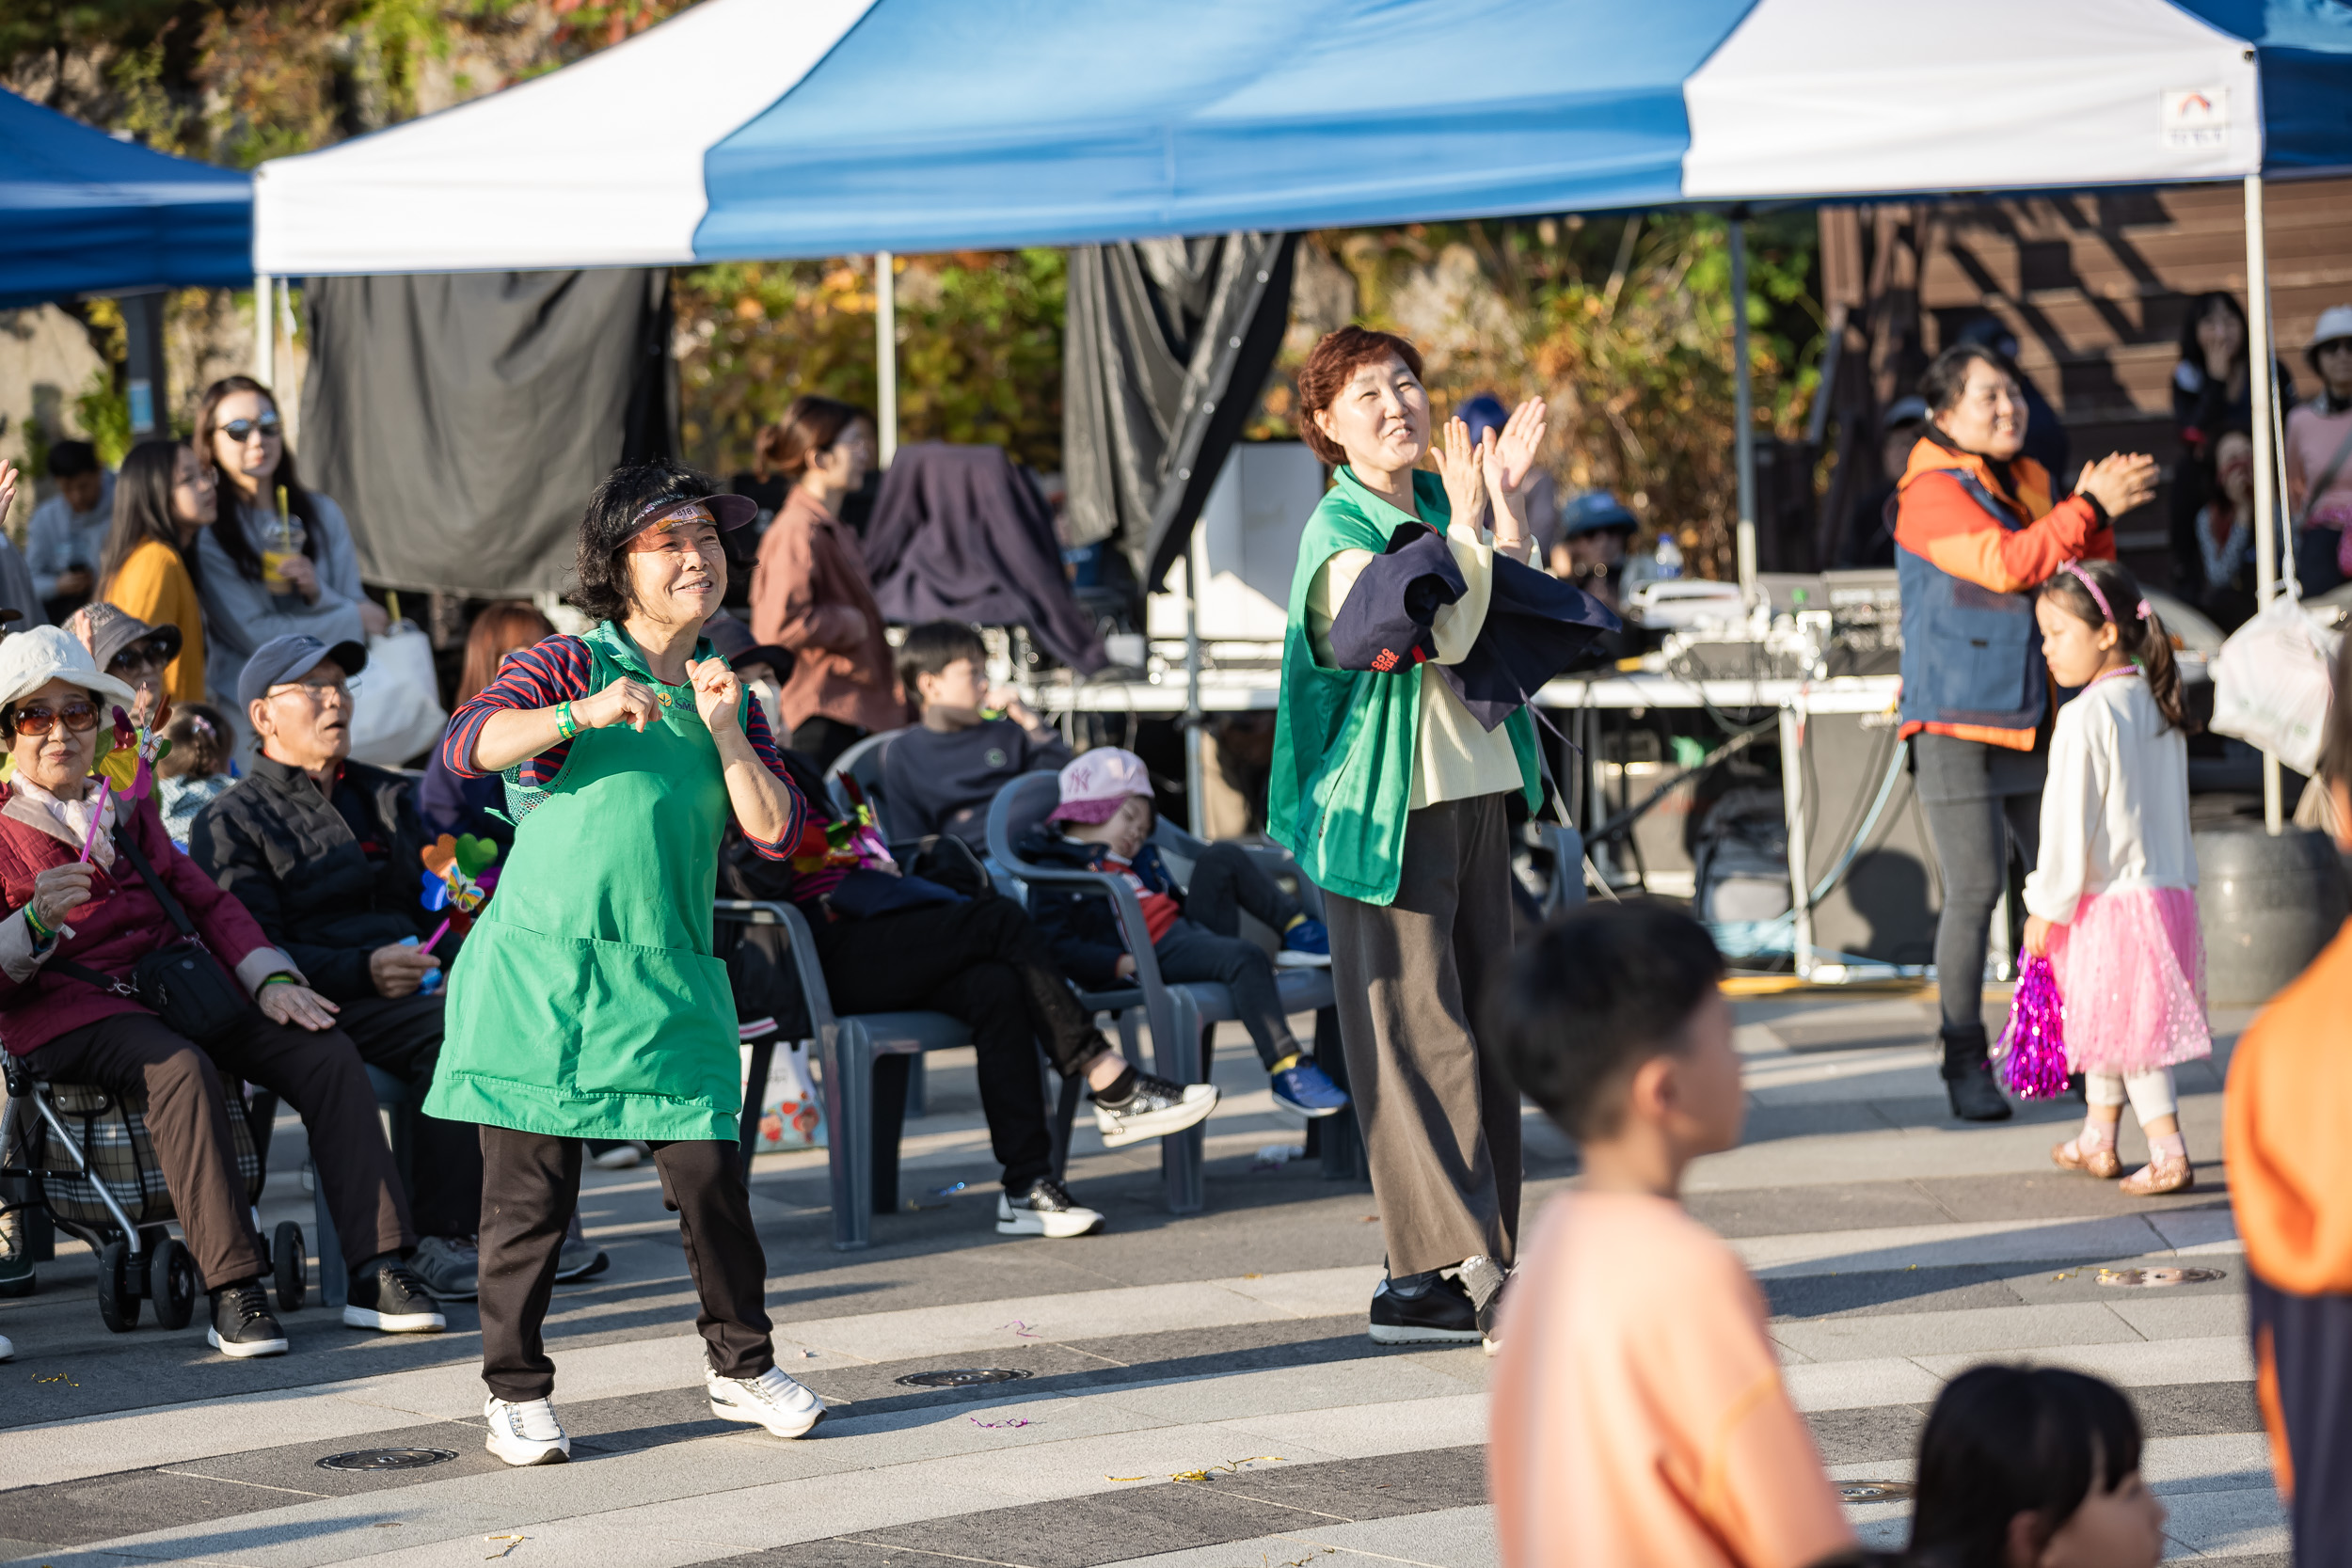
point(2101, 599)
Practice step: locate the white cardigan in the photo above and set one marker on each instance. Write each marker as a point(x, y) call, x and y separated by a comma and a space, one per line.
point(2115, 810)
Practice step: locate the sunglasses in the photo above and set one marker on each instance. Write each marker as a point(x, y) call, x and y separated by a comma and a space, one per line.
point(239, 430)
point(80, 717)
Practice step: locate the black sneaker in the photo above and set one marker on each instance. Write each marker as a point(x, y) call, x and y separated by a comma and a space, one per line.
point(386, 1296)
point(242, 1324)
point(1047, 1209)
point(1441, 1314)
point(1152, 1108)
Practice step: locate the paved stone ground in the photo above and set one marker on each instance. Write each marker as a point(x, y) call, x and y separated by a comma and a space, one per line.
point(1200, 1392)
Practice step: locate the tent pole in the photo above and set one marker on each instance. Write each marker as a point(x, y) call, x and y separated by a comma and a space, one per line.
point(264, 332)
point(1743, 411)
point(887, 355)
point(2262, 367)
point(1196, 583)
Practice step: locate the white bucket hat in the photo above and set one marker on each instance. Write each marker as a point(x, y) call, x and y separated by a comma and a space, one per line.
point(2334, 322)
point(31, 660)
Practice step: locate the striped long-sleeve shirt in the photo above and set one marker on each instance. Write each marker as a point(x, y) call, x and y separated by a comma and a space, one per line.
point(557, 670)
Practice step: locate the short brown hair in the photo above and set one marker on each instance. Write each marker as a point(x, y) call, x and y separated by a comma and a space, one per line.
point(1328, 365)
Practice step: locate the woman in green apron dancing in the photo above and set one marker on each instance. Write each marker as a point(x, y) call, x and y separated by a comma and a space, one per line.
point(585, 1003)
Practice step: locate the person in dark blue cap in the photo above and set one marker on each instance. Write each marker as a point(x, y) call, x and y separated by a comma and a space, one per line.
point(1595, 531)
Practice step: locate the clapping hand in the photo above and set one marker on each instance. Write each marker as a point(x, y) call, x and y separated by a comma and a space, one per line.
point(2119, 481)
point(7, 489)
point(1462, 466)
point(1508, 460)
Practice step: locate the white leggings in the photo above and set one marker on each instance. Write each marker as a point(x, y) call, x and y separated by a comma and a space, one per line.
point(2150, 1093)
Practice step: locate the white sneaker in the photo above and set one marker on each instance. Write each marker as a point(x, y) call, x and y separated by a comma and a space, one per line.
point(1046, 1209)
point(7, 1349)
point(1154, 1109)
point(772, 1400)
point(526, 1434)
point(621, 1156)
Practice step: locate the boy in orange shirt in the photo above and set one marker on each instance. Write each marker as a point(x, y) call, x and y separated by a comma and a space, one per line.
point(1639, 1416)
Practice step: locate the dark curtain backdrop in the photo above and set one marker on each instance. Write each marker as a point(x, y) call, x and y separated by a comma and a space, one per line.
point(461, 418)
point(1168, 345)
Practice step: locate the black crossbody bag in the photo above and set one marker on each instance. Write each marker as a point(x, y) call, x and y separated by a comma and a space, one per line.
point(181, 984)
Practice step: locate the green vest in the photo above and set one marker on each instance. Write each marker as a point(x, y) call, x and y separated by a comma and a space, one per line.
point(586, 1003)
point(1345, 741)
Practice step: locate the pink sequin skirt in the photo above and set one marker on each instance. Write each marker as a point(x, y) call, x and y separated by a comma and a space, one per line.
point(2131, 970)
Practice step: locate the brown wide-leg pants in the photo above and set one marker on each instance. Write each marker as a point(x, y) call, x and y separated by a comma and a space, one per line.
point(187, 1111)
point(1440, 1116)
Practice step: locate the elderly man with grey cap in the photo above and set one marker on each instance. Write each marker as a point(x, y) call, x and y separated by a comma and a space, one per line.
point(93, 886)
point(326, 853)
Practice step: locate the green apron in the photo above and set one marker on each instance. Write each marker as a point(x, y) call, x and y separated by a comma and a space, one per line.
point(585, 1003)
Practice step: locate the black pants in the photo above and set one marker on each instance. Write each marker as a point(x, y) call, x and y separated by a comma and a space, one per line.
point(1980, 800)
point(187, 1111)
point(2307, 1341)
point(985, 963)
point(1207, 945)
point(402, 1037)
point(821, 739)
point(531, 1183)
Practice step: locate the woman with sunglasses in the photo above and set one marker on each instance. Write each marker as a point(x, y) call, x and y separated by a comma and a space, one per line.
point(164, 497)
point(586, 1003)
point(86, 905)
point(263, 573)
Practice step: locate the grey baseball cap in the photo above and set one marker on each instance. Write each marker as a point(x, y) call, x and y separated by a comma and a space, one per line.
point(291, 657)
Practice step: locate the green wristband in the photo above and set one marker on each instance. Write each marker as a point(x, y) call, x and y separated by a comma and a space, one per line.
point(43, 933)
point(280, 979)
point(566, 728)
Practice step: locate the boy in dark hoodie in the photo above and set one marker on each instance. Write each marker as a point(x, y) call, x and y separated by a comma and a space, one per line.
point(1103, 823)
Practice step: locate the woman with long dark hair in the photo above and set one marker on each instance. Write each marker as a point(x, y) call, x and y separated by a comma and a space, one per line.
point(811, 593)
point(280, 561)
point(586, 1002)
point(2212, 394)
point(164, 498)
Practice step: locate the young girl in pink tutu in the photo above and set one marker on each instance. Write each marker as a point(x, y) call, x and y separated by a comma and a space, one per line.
point(2112, 898)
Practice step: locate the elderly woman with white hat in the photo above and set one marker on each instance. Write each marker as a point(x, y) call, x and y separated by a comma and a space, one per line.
point(87, 901)
point(2319, 443)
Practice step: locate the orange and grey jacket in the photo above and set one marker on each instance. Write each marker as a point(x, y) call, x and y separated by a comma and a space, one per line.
point(1973, 539)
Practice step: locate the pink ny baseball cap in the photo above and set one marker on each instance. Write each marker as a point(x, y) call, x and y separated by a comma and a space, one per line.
point(1095, 785)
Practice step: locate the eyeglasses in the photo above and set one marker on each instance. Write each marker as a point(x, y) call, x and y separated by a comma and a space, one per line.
point(316, 691)
point(80, 717)
point(135, 661)
point(240, 430)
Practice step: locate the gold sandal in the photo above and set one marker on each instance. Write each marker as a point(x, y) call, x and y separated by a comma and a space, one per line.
point(2161, 1175)
point(2100, 1162)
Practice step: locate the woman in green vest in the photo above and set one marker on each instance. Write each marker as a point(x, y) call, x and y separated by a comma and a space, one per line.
point(1392, 796)
point(585, 1003)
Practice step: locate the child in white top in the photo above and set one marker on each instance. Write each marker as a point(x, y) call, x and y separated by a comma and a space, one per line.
point(2112, 898)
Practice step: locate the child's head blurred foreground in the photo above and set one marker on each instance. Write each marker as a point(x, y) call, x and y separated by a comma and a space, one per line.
point(1106, 799)
point(1612, 1021)
point(2032, 1467)
point(200, 740)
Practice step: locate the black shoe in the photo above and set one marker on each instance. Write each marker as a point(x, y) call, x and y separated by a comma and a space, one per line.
point(1153, 1108)
point(1045, 1208)
point(242, 1324)
point(1968, 1077)
point(386, 1296)
point(1439, 1314)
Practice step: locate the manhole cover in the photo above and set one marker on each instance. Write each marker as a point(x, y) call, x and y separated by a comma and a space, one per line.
point(1873, 1491)
point(385, 1459)
point(2150, 1279)
point(962, 1377)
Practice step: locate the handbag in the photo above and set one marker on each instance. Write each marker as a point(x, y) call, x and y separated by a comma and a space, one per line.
point(2271, 683)
point(181, 984)
point(396, 701)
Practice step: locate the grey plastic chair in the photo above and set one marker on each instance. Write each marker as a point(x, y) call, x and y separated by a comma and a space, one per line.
point(1181, 1015)
point(864, 763)
point(848, 1048)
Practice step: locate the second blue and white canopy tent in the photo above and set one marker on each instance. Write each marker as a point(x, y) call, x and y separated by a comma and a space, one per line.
point(758, 129)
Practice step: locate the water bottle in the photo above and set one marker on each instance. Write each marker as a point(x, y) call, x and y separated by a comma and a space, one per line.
point(1669, 557)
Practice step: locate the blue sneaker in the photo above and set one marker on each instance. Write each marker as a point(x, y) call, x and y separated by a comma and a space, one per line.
point(1309, 1090)
point(1305, 944)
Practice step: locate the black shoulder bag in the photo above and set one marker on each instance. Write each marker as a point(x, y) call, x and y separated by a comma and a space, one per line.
point(181, 984)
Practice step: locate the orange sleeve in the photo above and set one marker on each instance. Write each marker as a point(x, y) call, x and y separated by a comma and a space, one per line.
point(1938, 520)
point(1761, 1487)
point(2290, 1166)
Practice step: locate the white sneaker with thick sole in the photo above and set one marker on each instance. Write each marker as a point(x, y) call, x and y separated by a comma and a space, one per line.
point(6, 1350)
point(772, 1400)
point(1046, 1209)
point(526, 1434)
point(1154, 1109)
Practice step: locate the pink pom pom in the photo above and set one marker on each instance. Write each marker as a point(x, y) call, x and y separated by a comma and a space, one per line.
point(2034, 1044)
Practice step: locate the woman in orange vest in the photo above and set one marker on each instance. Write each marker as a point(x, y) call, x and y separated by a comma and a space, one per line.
point(1976, 533)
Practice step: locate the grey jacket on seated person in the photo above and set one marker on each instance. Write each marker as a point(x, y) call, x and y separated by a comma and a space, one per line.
point(240, 614)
